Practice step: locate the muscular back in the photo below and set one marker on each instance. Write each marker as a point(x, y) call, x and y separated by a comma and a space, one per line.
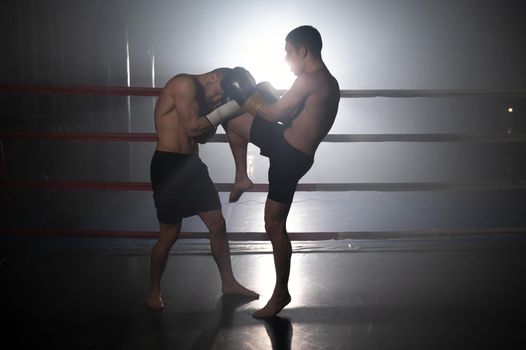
point(181, 92)
point(317, 113)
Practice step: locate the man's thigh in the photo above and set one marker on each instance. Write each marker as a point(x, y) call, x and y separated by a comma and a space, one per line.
point(241, 125)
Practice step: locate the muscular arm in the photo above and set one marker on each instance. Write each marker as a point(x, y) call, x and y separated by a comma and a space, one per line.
point(184, 94)
point(289, 102)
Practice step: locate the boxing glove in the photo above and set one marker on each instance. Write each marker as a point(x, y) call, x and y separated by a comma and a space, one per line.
point(204, 138)
point(238, 85)
point(264, 94)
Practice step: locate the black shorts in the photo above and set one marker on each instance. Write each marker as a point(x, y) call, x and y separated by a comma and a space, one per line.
point(287, 164)
point(181, 186)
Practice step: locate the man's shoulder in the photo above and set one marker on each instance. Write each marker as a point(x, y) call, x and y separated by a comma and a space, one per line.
point(183, 80)
point(321, 75)
point(320, 80)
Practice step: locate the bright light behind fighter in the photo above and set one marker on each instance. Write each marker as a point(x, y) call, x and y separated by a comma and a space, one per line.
point(263, 55)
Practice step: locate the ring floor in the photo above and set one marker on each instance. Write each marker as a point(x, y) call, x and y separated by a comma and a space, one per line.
point(80, 293)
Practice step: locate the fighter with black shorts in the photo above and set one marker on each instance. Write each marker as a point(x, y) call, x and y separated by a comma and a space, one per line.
point(181, 186)
point(308, 109)
point(287, 164)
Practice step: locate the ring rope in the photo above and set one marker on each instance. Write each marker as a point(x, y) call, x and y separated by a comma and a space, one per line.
point(261, 187)
point(333, 138)
point(261, 236)
point(149, 137)
point(154, 91)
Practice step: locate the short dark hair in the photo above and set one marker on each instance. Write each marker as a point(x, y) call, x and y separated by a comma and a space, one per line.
point(306, 36)
point(221, 72)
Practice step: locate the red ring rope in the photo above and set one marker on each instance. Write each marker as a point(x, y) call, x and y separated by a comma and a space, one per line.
point(153, 91)
point(343, 138)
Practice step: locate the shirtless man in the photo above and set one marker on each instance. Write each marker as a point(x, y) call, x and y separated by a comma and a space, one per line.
point(306, 113)
point(180, 180)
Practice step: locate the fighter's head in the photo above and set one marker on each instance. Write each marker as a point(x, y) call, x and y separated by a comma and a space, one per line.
point(212, 84)
point(301, 43)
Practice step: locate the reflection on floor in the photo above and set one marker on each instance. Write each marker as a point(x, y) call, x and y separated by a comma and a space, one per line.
point(88, 293)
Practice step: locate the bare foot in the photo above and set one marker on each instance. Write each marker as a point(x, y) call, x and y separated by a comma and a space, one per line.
point(240, 186)
point(237, 289)
point(273, 307)
point(154, 303)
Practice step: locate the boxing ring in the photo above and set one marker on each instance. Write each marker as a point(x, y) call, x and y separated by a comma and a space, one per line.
point(513, 183)
point(424, 289)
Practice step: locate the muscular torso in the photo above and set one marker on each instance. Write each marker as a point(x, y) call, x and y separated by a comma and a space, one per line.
point(171, 136)
point(316, 116)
